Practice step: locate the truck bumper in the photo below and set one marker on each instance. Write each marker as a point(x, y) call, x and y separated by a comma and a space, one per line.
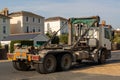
point(28, 57)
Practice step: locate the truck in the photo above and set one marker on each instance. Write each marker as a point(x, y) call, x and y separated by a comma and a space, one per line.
point(87, 40)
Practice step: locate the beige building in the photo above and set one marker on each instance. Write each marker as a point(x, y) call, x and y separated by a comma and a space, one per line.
point(4, 24)
point(55, 23)
point(26, 22)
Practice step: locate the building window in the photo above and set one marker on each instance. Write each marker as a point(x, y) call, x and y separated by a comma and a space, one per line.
point(4, 20)
point(39, 20)
point(27, 19)
point(4, 37)
point(4, 29)
point(27, 29)
point(33, 19)
point(48, 27)
point(33, 29)
point(39, 30)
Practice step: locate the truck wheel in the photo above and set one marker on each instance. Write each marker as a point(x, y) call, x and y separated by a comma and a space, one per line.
point(21, 66)
point(16, 65)
point(102, 59)
point(66, 62)
point(48, 65)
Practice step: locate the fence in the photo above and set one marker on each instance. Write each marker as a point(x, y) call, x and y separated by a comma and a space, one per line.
point(3, 54)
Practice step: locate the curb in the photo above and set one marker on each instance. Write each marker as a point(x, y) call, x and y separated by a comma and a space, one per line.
point(1, 61)
point(116, 51)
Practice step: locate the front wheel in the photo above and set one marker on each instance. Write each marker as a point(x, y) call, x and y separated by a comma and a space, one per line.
point(48, 65)
point(102, 58)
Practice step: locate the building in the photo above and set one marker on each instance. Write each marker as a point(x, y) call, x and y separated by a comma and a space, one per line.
point(53, 24)
point(37, 38)
point(26, 22)
point(4, 24)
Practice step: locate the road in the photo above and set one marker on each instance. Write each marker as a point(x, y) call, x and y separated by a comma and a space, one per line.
point(86, 71)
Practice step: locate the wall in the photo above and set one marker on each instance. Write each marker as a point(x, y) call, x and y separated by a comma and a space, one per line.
point(38, 26)
point(55, 26)
point(7, 25)
point(19, 24)
point(15, 25)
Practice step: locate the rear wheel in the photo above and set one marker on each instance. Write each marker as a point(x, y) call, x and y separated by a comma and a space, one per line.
point(48, 65)
point(22, 66)
point(16, 65)
point(66, 62)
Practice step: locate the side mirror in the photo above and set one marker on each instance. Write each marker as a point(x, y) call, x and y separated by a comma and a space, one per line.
point(113, 34)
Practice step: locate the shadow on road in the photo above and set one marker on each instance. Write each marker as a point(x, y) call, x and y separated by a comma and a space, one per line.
point(113, 61)
point(87, 65)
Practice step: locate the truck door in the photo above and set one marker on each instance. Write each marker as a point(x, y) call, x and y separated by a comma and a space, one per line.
point(107, 38)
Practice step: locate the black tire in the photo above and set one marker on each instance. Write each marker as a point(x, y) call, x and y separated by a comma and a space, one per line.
point(66, 62)
point(21, 66)
point(102, 58)
point(16, 65)
point(48, 65)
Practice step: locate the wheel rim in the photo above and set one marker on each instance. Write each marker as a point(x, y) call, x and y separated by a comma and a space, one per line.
point(66, 61)
point(50, 64)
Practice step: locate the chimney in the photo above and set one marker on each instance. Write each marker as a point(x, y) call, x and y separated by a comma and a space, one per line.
point(5, 12)
point(103, 22)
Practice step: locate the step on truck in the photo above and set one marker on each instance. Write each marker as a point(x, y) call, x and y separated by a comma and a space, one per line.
point(87, 40)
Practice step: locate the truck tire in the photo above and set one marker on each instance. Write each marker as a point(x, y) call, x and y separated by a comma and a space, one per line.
point(102, 58)
point(20, 66)
point(16, 65)
point(66, 62)
point(48, 65)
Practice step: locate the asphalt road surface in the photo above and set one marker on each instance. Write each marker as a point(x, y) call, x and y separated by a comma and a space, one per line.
point(86, 71)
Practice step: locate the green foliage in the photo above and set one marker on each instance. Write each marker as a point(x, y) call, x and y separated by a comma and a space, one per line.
point(48, 34)
point(64, 38)
point(22, 42)
point(55, 40)
point(116, 38)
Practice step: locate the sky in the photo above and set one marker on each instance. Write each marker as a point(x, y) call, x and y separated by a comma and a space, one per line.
point(108, 10)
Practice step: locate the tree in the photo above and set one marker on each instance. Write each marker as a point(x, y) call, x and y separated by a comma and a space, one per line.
point(116, 38)
point(55, 39)
point(12, 45)
point(48, 34)
point(64, 38)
